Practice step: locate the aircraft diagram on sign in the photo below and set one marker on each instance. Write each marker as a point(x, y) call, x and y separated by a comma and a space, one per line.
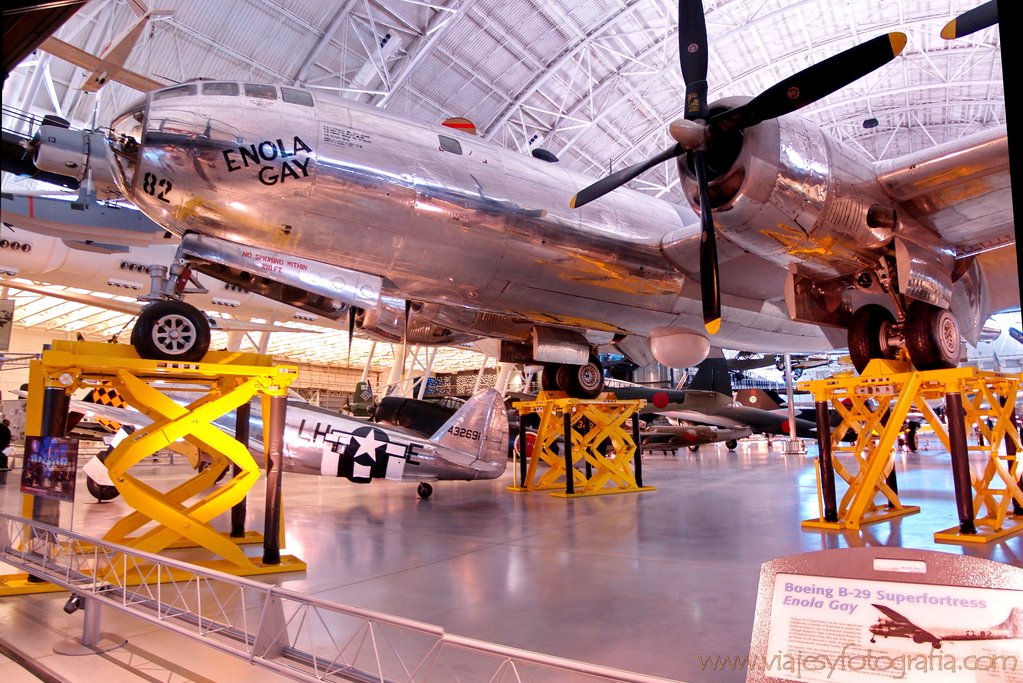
point(895, 625)
point(471, 444)
point(429, 235)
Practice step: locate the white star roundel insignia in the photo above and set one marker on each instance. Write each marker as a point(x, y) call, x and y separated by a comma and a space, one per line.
point(367, 447)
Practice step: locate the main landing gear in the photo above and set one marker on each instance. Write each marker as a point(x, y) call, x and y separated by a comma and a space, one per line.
point(578, 381)
point(929, 334)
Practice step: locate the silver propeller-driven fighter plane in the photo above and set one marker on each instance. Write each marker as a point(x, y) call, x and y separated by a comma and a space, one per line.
point(424, 233)
point(472, 444)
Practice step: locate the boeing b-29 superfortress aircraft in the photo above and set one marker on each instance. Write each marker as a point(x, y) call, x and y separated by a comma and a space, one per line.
point(423, 233)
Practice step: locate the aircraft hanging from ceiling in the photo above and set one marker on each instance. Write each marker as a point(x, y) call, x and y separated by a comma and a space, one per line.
point(109, 64)
point(423, 233)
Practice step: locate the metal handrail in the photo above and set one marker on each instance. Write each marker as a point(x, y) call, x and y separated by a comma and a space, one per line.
point(296, 635)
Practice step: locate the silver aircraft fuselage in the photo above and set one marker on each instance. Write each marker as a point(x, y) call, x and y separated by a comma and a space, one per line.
point(448, 220)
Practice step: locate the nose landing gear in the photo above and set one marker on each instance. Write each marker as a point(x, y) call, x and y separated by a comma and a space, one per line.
point(171, 330)
point(168, 328)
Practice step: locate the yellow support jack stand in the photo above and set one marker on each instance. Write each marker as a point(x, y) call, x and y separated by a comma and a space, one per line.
point(585, 425)
point(222, 382)
point(874, 406)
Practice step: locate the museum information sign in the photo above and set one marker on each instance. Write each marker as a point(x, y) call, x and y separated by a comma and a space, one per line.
point(893, 618)
point(50, 467)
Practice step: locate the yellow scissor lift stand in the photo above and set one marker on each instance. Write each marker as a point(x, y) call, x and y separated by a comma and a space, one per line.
point(590, 423)
point(864, 401)
point(222, 381)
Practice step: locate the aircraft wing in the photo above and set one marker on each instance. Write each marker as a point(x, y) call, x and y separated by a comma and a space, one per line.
point(893, 615)
point(704, 419)
point(901, 620)
point(107, 412)
point(960, 189)
point(120, 415)
point(79, 57)
point(133, 308)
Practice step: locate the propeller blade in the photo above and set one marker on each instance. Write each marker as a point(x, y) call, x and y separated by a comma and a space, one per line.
point(619, 178)
point(812, 83)
point(710, 289)
point(970, 22)
point(692, 56)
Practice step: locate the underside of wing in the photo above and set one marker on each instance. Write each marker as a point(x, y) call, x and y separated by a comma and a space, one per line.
point(704, 419)
point(960, 189)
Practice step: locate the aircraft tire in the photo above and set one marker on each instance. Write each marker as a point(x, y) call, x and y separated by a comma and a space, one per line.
point(932, 337)
point(171, 330)
point(99, 491)
point(865, 336)
point(731, 444)
point(911, 440)
point(694, 448)
point(424, 490)
point(549, 377)
point(582, 381)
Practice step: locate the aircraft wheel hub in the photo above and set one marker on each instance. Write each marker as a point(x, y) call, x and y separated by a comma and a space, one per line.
point(174, 334)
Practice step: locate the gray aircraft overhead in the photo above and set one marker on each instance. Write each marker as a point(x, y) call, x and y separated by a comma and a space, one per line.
point(471, 444)
point(429, 234)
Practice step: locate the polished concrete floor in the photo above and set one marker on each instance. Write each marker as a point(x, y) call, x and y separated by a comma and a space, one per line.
point(648, 582)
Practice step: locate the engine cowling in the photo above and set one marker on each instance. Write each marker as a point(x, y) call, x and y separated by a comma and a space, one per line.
point(74, 153)
point(813, 190)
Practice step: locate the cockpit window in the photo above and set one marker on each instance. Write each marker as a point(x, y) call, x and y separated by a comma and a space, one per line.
point(179, 91)
point(265, 92)
point(296, 97)
point(125, 136)
point(450, 144)
point(230, 89)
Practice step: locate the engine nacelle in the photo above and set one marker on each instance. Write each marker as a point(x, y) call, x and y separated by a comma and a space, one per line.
point(678, 347)
point(74, 153)
point(386, 321)
point(812, 189)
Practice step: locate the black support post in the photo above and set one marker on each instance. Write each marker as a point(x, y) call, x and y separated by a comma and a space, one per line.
point(827, 467)
point(241, 434)
point(956, 419)
point(637, 459)
point(569, 467)
point(274, 413)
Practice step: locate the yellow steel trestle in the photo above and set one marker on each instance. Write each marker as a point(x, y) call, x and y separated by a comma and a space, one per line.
point(591, 424)
point(874, 407)
point(221, 382)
